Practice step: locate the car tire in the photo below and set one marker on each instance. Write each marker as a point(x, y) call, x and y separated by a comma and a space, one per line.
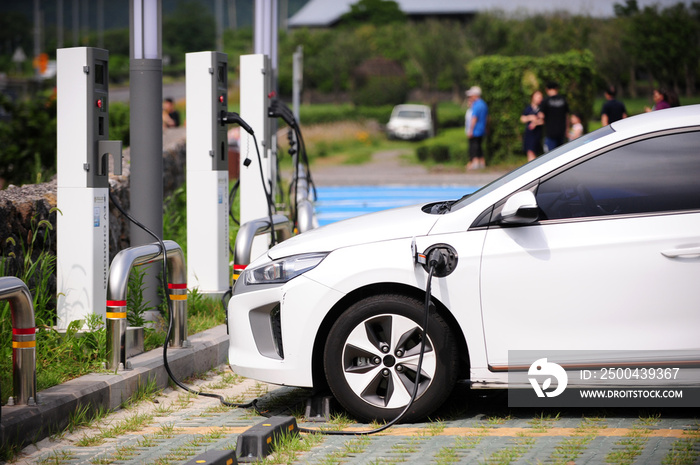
point(371, 355)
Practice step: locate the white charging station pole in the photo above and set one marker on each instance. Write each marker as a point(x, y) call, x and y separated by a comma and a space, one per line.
point(207, 172)
point(255, 89)
point(83, 182)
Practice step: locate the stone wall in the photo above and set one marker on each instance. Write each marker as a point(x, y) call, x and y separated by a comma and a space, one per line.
point(23, 209)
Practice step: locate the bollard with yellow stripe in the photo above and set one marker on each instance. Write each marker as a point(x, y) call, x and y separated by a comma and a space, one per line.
point(24, 363)
point(116, 334)
point(237, 270)
point(177, 292)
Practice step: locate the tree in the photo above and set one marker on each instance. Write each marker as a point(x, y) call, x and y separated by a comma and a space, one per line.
point(376, 12)
point(190, 28)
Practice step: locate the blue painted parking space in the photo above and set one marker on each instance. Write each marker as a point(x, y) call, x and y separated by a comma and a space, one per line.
point(337, 203)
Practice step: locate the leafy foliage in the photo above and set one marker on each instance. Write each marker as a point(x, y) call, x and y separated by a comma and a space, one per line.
point(28, 139)
point(507, 83)
point(190, 28)
point(375, 12)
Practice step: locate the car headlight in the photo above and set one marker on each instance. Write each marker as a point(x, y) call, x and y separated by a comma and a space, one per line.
point(284, 269)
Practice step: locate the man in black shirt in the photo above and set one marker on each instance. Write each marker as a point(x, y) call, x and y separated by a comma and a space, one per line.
point(613, 110)
point(555, 111)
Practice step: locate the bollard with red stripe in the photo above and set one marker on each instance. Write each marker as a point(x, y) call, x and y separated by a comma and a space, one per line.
point(116, 334)
point(24, 365)
point(237, 270)
point(177, 292)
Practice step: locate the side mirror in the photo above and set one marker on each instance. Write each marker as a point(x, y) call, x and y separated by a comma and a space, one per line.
point(520, 208)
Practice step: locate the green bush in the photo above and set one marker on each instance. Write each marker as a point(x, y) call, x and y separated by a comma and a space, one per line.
point(438, 153)
point(507, 83)
point(119, 122)
point(28, 139)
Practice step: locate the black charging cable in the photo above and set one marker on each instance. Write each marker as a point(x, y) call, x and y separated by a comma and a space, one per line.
point(229, 117)
point(252, 403)
point(434, 263)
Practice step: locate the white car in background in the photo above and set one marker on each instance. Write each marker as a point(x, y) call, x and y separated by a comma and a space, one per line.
point(592, 247)
point(410, 122)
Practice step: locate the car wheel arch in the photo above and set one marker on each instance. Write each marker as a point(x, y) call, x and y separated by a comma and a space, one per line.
point(319, 380)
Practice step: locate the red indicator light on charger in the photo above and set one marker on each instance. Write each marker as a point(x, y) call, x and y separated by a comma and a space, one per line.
point(99, 103)
point(221, 98)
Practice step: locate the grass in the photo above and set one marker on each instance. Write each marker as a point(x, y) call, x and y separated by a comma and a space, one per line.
point(569, 449)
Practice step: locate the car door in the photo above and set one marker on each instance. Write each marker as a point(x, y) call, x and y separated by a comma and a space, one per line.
point(612, 264)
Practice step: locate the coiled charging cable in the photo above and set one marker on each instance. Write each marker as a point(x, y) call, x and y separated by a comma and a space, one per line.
point(252, 403)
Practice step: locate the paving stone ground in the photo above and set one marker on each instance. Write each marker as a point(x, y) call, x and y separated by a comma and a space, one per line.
point(470, 428)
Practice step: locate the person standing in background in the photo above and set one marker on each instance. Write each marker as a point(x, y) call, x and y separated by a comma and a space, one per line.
point(576, 128)
point(660, 101)
point(532, 137)
point(171, 117)
point(613, 110)
point(477, 128)
point(554, 111)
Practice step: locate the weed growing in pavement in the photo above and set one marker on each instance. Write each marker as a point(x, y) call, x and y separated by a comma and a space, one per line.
point(227, 380)
point(101, 461)
point(650, 420)
point(352, 447)
point(510, 454)
point(148, 391)
point(184, 399)
point(542, 423)
point(684, 451)
point(166, 431)
point(163, 410)
point(409, 446)
point(285, 448)
point(570, 448)
point(337, 422)
point(57, 458)
point(496, 420)
point(132, 423)
point(125, 453)
point(436, 427)
point(84, 416)
point(632, 446)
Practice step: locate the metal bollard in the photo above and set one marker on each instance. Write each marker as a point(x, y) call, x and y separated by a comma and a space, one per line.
point(23, 339)
point(248, 231)
point(178, 296)
point(117, 286)
point(116, 333)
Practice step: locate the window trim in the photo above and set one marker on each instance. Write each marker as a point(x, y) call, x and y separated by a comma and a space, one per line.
point(534, 185)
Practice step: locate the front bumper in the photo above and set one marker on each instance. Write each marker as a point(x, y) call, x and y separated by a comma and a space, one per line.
point(408, 133)
point(272, 329)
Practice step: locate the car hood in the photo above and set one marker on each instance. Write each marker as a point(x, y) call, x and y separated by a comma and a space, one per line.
point(373, 227)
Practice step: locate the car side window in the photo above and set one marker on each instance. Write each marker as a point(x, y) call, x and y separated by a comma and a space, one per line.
point(658, 174)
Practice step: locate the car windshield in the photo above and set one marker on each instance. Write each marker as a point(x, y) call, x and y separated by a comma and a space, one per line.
point(411, 114)
point(467, 199)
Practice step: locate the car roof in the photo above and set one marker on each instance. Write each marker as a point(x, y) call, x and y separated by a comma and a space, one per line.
point(410, 106)
point(670, 118)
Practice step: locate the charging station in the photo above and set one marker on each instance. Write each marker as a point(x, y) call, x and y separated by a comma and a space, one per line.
point(207, 172)
point(83, 151)
point(255, 78)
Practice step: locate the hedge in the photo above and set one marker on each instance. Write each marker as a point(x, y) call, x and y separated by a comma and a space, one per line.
point(508, 82)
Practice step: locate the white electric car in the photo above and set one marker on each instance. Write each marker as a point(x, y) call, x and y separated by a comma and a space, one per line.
point(410, 122)
point(592, 247)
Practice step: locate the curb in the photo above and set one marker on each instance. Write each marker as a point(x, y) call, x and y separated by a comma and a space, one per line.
point(28, 424)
